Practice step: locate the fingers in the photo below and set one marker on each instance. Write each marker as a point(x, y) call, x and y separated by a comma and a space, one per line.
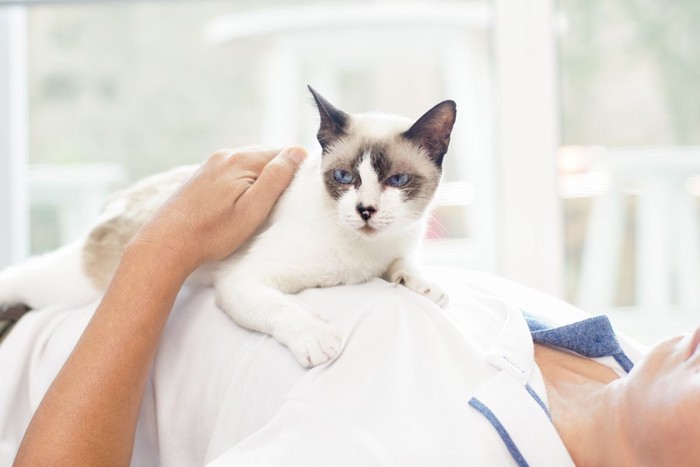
point(256, 158)
point(275, 178)
point(253, 158)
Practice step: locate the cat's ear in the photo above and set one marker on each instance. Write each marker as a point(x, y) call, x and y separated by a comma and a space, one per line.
point(432, 131)
point(334, 122)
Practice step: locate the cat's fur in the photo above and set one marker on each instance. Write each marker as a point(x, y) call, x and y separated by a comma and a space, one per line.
point(321, 233)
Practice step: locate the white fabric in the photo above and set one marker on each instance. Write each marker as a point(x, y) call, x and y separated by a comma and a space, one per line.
point(397, 395)
point(526, 422)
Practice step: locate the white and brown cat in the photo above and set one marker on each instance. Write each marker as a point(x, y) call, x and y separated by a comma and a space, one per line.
point(355, 212)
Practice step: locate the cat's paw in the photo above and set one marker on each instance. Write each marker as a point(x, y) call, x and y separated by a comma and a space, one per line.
point(316, 343)
point(421, 286)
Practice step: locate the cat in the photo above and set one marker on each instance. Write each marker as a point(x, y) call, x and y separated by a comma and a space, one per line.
point(356, 211)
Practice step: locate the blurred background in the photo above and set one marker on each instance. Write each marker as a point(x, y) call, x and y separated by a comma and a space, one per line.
point(574, 165)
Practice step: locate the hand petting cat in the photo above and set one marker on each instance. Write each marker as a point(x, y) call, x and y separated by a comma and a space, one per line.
point(356, 210)
point(88, 415)
point(222, 204)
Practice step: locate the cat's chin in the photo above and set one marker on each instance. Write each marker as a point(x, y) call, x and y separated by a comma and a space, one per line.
point(367, 230)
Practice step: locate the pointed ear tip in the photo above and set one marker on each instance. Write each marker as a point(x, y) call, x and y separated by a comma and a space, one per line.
point(452, 106)
point(447, 109)
point(450, 103)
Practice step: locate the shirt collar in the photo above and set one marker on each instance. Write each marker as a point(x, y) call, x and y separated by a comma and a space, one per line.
point(512, 400)
point(513, 351)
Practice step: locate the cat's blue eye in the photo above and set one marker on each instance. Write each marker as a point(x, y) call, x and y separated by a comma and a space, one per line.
point(398, 180)
point(343, 176)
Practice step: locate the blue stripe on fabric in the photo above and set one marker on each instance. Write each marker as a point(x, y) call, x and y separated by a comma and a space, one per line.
point(500, 429)
point(624, 361)
point(538, 400)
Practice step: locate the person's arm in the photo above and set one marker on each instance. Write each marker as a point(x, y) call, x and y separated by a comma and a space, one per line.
point(88, 415)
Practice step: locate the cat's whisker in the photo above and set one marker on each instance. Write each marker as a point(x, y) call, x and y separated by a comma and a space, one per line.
point(437, 225)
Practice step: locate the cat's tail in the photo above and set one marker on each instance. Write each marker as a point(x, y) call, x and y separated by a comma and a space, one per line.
point(55, 278)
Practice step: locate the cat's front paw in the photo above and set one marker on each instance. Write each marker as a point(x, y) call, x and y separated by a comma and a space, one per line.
point(316, 343)
point(421, 286)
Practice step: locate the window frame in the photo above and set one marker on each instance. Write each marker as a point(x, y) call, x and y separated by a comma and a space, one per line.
point(528, 133)
point(14, 212)
point(528, 252)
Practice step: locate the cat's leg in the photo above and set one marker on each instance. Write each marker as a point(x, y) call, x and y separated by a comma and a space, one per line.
point(403, 271)
point(55, 278)
point(259, 307)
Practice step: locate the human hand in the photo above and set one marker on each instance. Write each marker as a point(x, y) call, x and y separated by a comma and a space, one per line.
point(221, 205)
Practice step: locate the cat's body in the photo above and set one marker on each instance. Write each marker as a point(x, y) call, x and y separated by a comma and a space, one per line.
point(325, 230)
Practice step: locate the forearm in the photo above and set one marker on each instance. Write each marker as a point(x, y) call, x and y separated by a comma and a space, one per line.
point(88, 416)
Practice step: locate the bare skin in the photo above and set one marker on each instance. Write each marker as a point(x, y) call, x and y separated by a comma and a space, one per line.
point(88, 416)
point(648, 418)
point(576, 392)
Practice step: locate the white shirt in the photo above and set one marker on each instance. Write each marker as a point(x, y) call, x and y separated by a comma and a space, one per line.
point(399, 393)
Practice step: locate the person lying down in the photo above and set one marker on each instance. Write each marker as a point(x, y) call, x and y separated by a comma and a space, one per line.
point(501, 375)
point(414, 385)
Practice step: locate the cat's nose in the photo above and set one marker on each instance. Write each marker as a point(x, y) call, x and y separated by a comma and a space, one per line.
point(365, 211)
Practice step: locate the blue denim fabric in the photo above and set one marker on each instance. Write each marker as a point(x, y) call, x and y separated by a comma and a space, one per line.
point(502, 432)
point(592, 337)
point(539, 401)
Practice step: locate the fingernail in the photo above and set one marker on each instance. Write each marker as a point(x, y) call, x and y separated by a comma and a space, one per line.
point(295, 154)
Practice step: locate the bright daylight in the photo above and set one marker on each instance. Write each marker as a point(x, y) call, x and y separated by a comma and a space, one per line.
point(365, 232)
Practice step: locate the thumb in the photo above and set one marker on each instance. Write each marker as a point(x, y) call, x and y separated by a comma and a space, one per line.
point(275, 178)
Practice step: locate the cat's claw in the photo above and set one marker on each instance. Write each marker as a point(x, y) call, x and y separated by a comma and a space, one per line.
point(420, 285)
point(316, 344)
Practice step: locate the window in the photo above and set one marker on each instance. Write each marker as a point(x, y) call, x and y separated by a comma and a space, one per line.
point(630, 159)
point(118, 91)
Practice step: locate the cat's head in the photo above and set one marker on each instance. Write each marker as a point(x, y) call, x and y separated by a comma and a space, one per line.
point(381, 170)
